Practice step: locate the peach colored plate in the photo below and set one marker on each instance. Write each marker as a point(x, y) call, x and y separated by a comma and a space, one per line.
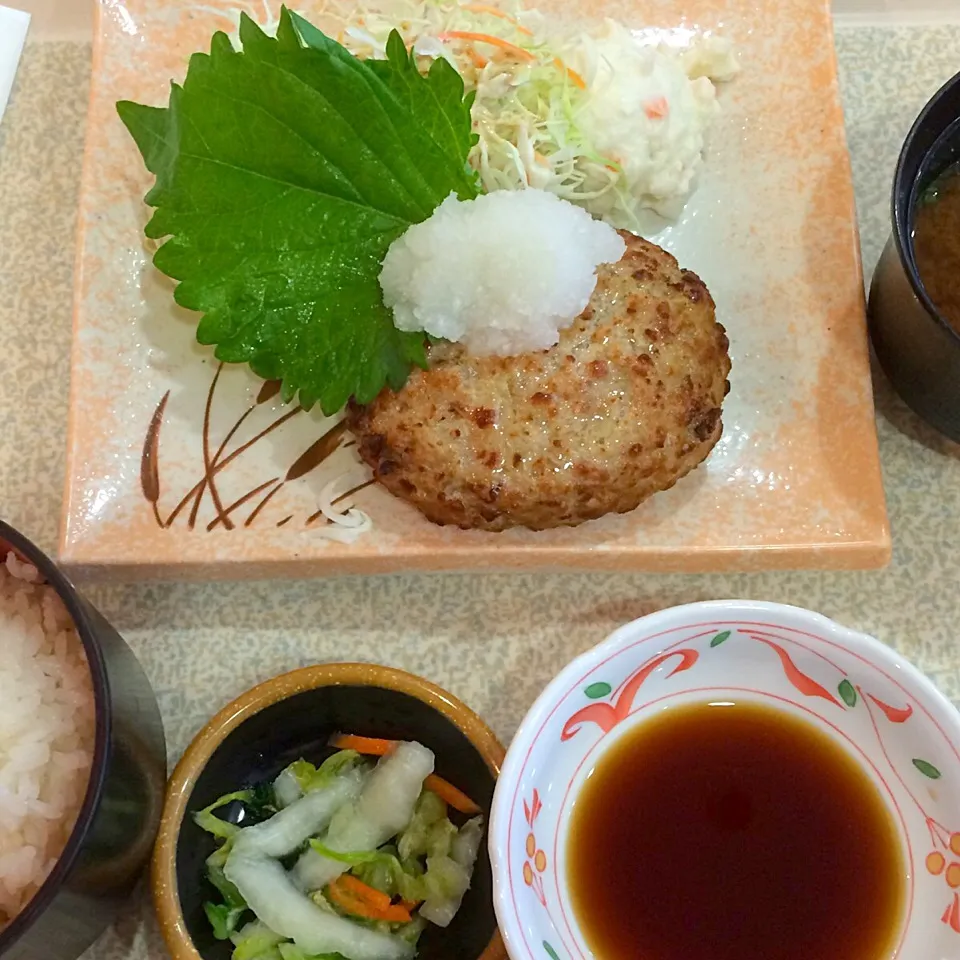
point(174, 471)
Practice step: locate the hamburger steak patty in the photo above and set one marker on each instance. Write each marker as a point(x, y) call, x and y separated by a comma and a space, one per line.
point(626, 404)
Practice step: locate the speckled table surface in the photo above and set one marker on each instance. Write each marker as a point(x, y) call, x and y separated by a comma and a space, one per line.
point(494, 640)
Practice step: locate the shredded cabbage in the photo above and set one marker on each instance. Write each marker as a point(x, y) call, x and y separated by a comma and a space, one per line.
point(309, 777)
point(289, 829)
point(575, 111)
point(223, 919)
point(443, 879)
point(275, 899)
point(455, 871)
point(383, 809)
point(286, 788)
point(429, 811)
point(380, 825)
point(608, 119)
point(255, 941)
point(290, 951)
point(351, 859)
point(222, 829)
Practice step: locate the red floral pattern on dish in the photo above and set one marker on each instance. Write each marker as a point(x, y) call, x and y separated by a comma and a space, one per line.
point(607, 716)
point(536, 863)
point(943, 860)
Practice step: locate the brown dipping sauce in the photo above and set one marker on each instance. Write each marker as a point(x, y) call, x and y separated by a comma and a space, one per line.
point(733, 832)
point(936, 244)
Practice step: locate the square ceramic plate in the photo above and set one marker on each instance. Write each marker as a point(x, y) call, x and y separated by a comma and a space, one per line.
point(174, 471)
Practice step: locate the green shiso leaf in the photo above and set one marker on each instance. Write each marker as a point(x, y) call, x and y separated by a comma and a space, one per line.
point(283, 173)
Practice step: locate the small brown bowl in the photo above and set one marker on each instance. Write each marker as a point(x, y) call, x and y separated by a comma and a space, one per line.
point(293, 716)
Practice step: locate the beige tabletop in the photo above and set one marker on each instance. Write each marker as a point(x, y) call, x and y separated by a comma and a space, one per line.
point(494, 640)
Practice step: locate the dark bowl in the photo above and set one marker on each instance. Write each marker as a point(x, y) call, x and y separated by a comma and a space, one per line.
point(918, 349)
point(293, 716)
point(117, 824)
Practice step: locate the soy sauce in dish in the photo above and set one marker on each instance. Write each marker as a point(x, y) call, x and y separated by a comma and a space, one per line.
point(733, 832)
point(936, 244)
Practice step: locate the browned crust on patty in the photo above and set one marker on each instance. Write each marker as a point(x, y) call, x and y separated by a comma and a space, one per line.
point(626, 404)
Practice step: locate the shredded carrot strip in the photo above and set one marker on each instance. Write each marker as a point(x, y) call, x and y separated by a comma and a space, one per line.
point(511, 48)
point(578, 81)
point(376, 899)
point(377, 747)
point(409, 905)
point(479, 60)
point(656, 109)
point(396, 914)
point(495, 12)
point(348, 902)
point(450, 794)
point(354, 896)
point(370, 746)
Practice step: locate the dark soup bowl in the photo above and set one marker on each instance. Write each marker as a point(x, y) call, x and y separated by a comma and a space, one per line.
point(293, 717)
point(111, 839)
point(917, 347)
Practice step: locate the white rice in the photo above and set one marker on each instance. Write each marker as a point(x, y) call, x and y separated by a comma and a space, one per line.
point(46, 732)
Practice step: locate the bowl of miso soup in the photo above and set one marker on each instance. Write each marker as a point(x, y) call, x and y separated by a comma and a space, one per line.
point(915, 295)
point(732, 780)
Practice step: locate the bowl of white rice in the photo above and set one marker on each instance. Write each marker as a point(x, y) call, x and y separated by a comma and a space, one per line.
point(82, 762)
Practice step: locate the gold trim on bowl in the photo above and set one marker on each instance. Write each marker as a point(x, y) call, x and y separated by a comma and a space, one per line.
point(163, 875)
